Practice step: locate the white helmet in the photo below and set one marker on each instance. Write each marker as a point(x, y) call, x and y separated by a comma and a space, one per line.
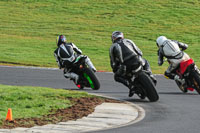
point(160, 40)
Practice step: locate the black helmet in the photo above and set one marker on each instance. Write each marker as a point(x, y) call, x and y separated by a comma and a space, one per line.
point(60, 39)
point(116, 35)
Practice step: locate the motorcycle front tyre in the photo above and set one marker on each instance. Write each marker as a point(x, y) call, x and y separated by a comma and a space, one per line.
point(196, 81)
point(92, 79)
point(148, 86)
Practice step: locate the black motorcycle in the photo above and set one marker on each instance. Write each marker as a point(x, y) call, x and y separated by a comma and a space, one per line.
point(87, 77)
point(143, 84)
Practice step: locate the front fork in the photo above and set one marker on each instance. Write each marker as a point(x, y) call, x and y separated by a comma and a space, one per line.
point(196, 69)
point(90, 64)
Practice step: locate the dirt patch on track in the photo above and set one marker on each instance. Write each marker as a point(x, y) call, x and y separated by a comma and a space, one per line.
point(82, 107)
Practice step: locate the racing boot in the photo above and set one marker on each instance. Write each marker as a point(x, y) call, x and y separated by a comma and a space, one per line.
point(90, 64)
point(72, 76)
point(131, 89)
point(129, 85)
point(131, 92)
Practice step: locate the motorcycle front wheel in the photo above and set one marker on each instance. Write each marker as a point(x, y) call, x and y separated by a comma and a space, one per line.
point(196, 81)
point(148, 86)
point(91, 78)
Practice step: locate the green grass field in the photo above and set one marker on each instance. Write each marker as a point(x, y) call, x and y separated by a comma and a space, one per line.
point(28, 28)
point(27, 102)
point(28, 31)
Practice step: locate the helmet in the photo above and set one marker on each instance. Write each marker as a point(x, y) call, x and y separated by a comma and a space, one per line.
point(116, 35)
point(160, 40)
point(60, 39)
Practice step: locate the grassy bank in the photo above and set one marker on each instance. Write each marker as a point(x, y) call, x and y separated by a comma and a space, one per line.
point(27, 102)
point(28, 29)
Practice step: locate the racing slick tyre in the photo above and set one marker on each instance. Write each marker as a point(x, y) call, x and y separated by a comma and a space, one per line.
point(196, 81)
point(148, 86)
point(92, 79)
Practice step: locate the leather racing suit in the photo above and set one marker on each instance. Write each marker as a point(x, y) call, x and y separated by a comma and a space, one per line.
point(123, 55)
point(65, 56)
point(171, 50)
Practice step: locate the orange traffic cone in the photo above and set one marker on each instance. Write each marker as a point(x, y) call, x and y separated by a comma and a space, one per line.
point(9, 115)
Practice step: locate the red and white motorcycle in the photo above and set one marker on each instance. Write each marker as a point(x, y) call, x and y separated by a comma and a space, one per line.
point(190, 73)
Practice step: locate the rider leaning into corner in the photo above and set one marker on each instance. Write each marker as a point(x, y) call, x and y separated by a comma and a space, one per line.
point(171, 50)
point(123, 53)
point(66, 54)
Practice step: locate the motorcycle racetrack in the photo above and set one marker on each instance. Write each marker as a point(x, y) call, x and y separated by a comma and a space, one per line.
point(175, 112)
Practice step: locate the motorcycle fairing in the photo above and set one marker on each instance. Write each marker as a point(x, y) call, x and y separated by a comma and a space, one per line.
point(184, 65)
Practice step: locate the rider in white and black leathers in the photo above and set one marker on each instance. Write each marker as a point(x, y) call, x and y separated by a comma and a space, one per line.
point(66, 54)
point(123, 55)
point(171, 50)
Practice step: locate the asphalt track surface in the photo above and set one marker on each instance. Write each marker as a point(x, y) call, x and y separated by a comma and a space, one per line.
point(175, 112)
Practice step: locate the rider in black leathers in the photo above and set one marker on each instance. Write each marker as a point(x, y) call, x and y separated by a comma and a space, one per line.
point(123, 54)
point(65, 55)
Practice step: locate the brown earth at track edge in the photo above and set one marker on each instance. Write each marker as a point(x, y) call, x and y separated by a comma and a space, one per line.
point(82, 107)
